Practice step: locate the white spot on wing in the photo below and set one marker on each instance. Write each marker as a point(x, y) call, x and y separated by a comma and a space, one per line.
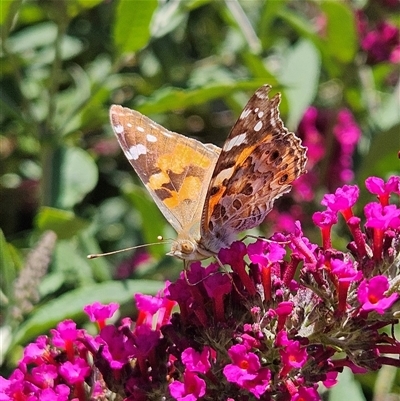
point(245, 113)
point(236, 141)
point(258, 126)
point(224, 174)
point(135, 151)
point(151, 138)
point(260, 93)
point(129, 125)
point(118, 128)
point(260, 114)
point(141, 129)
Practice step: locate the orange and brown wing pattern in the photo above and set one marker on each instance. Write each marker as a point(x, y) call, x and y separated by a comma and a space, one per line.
point(257, 164)
point(175, 169)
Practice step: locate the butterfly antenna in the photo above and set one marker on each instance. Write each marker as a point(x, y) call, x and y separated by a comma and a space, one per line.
point(160, 242)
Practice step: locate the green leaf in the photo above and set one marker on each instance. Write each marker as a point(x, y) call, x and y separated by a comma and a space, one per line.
point(51, 283)
point(300, 75)
point(7, 7)
point(269, 12)
point(341, 35)
point(64, 223)
point(88, 3)
point(258, 68)
point(7, 269)
point(167, 99)
point(33, 37)
point(76, 268)
point(347, 388)
point(78, 176)
point(302, 26)
point(168, 17)
point(388, 114)
point(131, 28)
point(70, 305)
point(153, 221)
point(100, 267)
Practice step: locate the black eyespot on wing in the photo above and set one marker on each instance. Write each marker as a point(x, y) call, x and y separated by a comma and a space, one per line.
point(283, 179)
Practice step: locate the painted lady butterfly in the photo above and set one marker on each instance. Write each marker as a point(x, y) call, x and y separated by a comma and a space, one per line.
point(209, 194)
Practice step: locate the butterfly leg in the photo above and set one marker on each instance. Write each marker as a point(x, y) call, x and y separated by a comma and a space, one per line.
point(264, 239)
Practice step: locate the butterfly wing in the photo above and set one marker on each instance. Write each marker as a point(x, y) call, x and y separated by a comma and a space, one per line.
point(175, 169)
point(257, 164)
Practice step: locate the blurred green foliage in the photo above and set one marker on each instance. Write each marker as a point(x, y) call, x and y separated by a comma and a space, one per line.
point(190, 65)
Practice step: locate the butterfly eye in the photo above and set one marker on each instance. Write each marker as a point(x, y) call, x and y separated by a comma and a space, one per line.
point(187, 247)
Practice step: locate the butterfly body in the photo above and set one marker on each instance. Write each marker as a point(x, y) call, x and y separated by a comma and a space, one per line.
point(209, 194)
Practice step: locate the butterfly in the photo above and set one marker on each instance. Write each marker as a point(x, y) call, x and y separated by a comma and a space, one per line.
point(206, 193)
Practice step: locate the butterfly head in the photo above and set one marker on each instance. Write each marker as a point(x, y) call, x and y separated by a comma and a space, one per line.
point(188, 250)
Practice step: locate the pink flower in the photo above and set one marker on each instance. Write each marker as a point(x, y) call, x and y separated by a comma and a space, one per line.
point(343, 198)
point(371, 295)
point(259, 385)
point(246, 371)
point(382, 43)
point(244, 367)
point(197, 361)
point(191, 389)
point(266, 252)
point(383, 190)
point(378, 186)
point(66, 332)
point(315, 129)
point(145, 340)
point(117, 348)
point(75, 372)
point(59, 393)
point(34, 352)
point(382, 217)
point(324, 219)
point(345, 270)
point(98, 311)
point(217, 285)
point(149, 306)
point(346, 274)
point(313, 138)
point(45, 374)
point(234, 257)
point(283, 310)
point(306, 394)
point(346, 130)
point(293, 355)
point(65, 335)
point(331, 379)
point(148, 303)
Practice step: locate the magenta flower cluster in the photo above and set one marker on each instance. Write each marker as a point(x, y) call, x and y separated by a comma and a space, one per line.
point(331, 138)
point(250, 333)
point(382, 43)
point(341, 139)
point(380, 40)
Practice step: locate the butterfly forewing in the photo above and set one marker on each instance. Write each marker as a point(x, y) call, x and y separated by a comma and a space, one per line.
point(173, 167)
point(257, 164)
